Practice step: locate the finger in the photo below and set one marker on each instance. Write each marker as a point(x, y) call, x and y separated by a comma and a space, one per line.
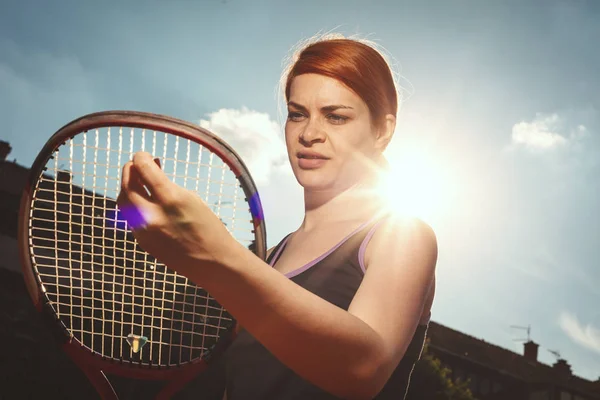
point(136, 185)
point(153, 177)
point(134, 202)
point(123, 197)
point(132, 188)
point(125, 175)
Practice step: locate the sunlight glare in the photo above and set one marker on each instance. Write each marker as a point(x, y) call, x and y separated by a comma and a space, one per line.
point(416, 184)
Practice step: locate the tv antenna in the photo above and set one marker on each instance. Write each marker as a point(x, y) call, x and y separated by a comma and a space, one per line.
point(525, 328)
point(556, 353)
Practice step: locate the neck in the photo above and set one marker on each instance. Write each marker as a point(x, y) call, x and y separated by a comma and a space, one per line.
point(332, 206)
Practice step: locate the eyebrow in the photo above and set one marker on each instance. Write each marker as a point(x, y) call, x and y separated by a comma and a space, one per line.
point(329, 108)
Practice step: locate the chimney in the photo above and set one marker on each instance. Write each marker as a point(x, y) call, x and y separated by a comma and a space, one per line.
point(563, 367)
point(530, 350)
point(4, 150)
point(63, 176)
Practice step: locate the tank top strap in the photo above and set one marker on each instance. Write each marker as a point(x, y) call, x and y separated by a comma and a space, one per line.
point(354, 243)
point(356, 246)
point(276, 251)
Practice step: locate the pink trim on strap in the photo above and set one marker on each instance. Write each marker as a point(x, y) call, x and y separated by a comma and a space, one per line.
point(279, 250)
point(299, 270)
point(363, 246)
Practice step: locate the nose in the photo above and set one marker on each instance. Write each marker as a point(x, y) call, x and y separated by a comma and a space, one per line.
point(312, 133)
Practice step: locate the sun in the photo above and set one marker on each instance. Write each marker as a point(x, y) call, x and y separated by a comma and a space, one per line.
point(417, 184)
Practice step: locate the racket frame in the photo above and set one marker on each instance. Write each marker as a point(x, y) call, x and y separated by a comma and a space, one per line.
point(92, 364)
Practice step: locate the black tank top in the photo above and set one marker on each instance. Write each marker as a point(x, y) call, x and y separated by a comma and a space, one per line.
point(253, 373)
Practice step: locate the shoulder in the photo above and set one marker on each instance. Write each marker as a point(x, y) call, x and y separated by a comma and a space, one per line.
point(404, 227)
point(401, 237)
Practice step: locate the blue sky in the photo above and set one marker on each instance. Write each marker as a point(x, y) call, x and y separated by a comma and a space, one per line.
point(502, 110)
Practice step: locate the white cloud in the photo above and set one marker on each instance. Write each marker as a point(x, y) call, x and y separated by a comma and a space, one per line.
point(259, 142)
point(545, 131)
point(587, 336)
point(254, 136)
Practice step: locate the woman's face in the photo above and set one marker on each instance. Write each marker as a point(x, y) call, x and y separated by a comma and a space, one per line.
point(329, 134)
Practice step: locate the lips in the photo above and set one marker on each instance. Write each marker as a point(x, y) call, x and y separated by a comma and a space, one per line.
point(311, 160)
point(311, 155)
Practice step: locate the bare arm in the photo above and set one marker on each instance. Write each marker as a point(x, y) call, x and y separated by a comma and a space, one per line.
point(354, 356)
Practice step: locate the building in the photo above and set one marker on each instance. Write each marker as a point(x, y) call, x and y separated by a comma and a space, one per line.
point(12, 181)
point(495, 373)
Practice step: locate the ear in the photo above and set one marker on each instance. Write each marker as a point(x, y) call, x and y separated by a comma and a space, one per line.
point(384, 135)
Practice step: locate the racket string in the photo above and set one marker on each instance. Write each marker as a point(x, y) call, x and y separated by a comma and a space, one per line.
point(100, 283)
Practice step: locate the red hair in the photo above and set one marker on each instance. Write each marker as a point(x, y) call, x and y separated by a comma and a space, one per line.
point(358, 66)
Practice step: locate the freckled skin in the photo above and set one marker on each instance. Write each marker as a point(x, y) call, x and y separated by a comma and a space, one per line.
point(345, 135)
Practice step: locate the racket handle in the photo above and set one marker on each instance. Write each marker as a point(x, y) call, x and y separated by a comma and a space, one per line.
point(101, 384)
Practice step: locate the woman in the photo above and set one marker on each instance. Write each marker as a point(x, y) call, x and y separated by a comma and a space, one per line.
point(341, 308)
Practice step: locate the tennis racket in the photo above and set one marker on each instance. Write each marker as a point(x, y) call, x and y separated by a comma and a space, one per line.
point(116, 310)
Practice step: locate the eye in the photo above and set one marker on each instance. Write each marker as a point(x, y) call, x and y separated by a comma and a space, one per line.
point(337, 119)
point(295, 116)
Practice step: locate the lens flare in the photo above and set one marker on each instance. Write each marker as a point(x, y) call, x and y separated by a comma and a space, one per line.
point(415, 184)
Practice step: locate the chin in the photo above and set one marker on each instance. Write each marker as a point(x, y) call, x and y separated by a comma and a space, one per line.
point(314, 181)
point(315, 185)
point(322, 183)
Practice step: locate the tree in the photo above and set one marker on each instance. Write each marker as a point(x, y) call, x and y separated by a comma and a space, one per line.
point(433, 381)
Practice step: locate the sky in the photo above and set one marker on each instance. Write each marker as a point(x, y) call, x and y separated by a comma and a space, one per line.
point(497, 145)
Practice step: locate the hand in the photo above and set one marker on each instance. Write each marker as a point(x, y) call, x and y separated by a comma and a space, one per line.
point(173, 224)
